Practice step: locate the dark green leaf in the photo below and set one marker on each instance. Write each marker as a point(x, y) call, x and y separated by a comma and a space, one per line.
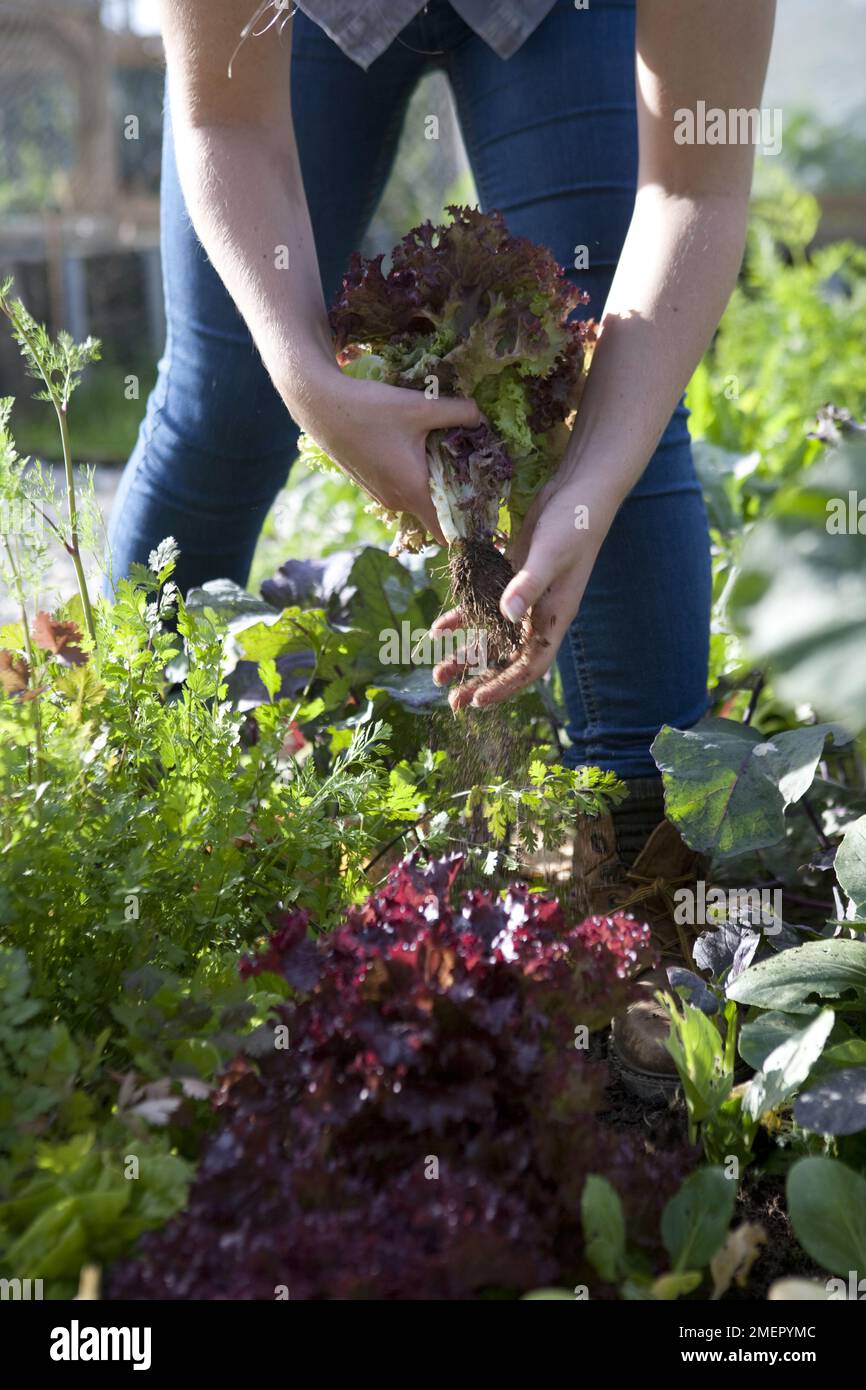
point(801, 594)
point(827, 1207)
point(850, 865)
point(836, 1105)
point(603, 1227)
point(695, 1222)
point(790, 980)
point(727, 787)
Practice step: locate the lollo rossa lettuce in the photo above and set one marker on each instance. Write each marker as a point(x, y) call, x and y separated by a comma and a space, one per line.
point(431, 1027)
point(468, 309)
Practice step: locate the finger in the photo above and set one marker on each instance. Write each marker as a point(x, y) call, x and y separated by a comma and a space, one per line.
point(431, 522)
point(529, 665)
point(447, 671)
point(444, 672)
point(447, 622)
point(526, 588)
point(533, 579)
point(489, 687)
point(450, 412)
point(467, 657)
point(462, 695)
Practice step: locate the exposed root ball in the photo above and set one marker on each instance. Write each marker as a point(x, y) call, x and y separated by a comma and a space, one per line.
point(479, 576)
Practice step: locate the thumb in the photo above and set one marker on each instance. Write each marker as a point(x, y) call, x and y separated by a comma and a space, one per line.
point(529, 583)
point(449, 412)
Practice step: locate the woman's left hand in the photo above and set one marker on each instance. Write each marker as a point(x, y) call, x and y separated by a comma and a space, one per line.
point(553, 556)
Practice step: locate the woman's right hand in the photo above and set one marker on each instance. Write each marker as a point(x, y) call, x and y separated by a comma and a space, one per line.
point(377, 434)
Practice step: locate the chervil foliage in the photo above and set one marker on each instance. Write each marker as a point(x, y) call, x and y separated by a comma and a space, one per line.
point(58, 362)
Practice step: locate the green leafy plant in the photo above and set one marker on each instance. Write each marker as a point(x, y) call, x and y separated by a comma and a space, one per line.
point(727, 785)
point(789, 341)
point(827, 1204)
point(799, 597)
point(704, 1052)
point(76, 1186)
point(790, 980)
point(58, 364)
point(694, 1228)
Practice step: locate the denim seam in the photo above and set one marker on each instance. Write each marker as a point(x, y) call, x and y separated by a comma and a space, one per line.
point(466, 126)
point(382, 166)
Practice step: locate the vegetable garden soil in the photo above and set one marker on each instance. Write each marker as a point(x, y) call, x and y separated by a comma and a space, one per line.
point(761, 1199)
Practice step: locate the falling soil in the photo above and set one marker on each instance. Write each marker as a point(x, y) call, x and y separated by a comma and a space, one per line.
point(479, 576)
point(482, 747)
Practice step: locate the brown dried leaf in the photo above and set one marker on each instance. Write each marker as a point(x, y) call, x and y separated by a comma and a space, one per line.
point(736, 1257)
point(14, 672)
point(61, 638)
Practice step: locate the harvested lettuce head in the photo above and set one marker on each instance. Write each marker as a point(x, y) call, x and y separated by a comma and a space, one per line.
point(466, 309)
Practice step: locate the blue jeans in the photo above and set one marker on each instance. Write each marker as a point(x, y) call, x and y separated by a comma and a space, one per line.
point(551, 136)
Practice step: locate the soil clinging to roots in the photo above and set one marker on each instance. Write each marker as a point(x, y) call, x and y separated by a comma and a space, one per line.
point(479, 575)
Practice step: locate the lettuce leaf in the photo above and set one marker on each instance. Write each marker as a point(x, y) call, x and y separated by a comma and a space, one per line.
point(468, 309)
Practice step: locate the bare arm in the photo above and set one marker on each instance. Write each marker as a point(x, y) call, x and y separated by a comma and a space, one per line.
point(678, 267)
point(685, 241)
point(241, 177)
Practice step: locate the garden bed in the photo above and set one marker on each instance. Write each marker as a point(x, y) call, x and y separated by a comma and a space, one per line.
point(225, 814)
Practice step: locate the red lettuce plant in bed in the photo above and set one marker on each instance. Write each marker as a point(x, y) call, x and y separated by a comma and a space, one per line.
point(429, 1128)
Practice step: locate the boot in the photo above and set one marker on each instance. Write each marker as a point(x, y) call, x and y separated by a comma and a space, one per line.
point(633, 860)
